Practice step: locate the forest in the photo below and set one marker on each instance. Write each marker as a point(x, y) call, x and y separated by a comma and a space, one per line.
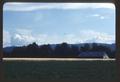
point(63, 50)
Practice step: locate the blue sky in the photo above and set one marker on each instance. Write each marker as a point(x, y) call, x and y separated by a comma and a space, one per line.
point(43, 23)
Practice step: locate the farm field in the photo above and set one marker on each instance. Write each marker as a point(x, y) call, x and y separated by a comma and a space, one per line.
point(57, 69)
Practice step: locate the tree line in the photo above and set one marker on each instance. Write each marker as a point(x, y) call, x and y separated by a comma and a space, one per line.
point(62, 50)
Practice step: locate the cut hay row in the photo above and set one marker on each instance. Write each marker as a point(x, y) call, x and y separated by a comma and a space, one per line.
point(56, 59)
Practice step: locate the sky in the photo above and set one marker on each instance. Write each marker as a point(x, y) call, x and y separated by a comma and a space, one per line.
point(53, 23)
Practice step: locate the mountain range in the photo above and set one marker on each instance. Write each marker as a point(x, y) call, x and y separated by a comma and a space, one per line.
point(111, 46)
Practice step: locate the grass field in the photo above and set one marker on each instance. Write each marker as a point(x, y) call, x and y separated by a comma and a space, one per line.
point(72, 70)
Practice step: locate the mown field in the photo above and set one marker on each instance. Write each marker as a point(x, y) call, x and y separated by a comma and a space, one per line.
point(72, 70)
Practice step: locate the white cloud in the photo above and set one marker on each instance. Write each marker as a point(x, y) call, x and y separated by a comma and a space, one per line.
point(6, 38)
point(96, 15)
point(102, 17)
point(17, 36)
point(94, 36)
point(84, 36)
point(37, 6)
point(25, 37)
point(99, 16)
point(21, 39)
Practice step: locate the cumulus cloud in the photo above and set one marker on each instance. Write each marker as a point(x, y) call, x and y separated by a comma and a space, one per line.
point(25, 37)
point(22, 37)
point(36, 6)
point(6, 38)
point(94, 36)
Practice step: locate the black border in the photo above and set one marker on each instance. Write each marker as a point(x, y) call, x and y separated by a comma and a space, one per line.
point(117, 5)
